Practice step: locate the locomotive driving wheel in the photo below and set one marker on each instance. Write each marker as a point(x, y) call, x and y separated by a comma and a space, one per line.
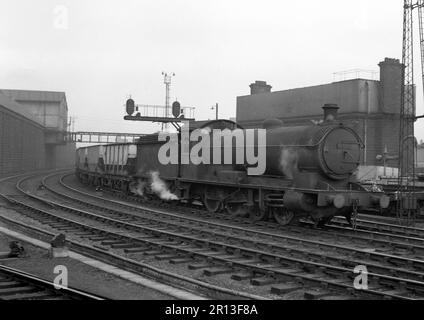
point(236, 209)
point(212, 205)
point(283, 216)
point(256, 214)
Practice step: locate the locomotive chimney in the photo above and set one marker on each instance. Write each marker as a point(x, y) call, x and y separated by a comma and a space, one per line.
point(330, 112)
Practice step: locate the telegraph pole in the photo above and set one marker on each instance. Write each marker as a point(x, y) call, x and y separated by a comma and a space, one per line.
point(216, 110)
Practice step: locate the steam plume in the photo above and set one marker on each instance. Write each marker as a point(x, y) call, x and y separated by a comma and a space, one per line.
point(159, 187)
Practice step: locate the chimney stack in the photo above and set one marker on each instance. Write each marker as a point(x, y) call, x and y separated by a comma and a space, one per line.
point(330, 112)
point(260, 87)
point(390, 85)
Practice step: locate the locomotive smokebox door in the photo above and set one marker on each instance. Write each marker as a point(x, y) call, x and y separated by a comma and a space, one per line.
point(176, 109)
point(130, 106)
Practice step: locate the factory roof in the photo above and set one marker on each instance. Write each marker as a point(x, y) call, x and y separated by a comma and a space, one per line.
point(15, 107)
point(32, 95)
point(329, 84)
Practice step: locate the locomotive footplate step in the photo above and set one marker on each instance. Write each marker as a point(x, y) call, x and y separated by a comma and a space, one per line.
point(216, 271)
point(315, 295)
point(285, 288)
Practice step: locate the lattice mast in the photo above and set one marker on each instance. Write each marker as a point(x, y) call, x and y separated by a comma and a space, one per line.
point(407, 144)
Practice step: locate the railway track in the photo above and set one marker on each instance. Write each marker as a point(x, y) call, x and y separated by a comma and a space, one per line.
point(19, 285)
point(79, 243)
point(261, 254)
point(384, 242)
point(257, 254)
point(378, 226)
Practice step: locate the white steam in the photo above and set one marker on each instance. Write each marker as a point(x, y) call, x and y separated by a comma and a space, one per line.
point(288, 162)
point(159, 187)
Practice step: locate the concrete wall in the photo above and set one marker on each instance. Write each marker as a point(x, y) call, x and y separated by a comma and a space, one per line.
point(64, 155)
point(22, 145)
point(31, 131)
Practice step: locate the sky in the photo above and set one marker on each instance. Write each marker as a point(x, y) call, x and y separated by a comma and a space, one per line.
point(101, 51)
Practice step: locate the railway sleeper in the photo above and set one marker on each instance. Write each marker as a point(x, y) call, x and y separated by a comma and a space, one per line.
point(263, 281)
point(243, 275)
point(281, 289)
point(200, 265)
point(214, 271)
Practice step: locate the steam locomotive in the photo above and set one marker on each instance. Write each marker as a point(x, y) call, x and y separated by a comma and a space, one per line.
point(309, 172)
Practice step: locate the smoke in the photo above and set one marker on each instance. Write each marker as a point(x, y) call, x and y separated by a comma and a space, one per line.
point(159, 187)
point(138, 187)
point(288, 162)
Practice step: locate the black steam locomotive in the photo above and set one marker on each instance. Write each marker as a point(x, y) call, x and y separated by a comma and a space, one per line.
point(309, 172)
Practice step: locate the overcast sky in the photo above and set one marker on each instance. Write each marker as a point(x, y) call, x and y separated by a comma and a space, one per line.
point(110, 49)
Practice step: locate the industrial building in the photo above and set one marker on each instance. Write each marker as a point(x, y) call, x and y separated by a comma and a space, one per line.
point(33, 127)
point(370, 107)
